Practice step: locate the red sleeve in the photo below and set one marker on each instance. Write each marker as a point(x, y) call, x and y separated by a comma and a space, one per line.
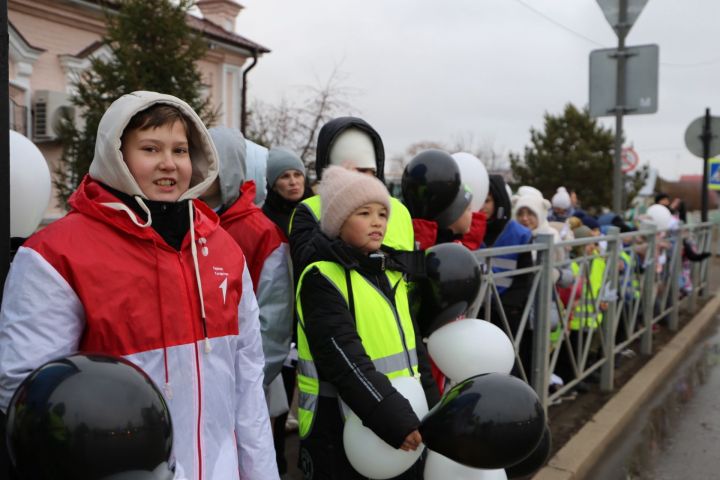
point(425, 232)
point(474, 238)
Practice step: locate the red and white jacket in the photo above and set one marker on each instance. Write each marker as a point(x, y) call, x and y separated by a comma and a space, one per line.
point(268, 261)
point(99, 280)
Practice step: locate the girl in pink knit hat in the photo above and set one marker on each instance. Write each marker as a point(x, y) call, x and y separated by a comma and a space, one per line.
point(354, 333)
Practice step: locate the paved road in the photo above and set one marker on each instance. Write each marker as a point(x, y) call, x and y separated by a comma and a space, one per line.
point(691, 449)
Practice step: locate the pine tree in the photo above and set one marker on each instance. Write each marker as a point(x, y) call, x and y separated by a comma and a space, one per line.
point(574, 151)
point(152, 48)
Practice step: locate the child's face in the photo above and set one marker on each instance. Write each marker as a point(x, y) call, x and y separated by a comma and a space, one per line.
point(462, 225)
point(489, 206)
point(159, 159)
point(365, 228)
point(527, 218)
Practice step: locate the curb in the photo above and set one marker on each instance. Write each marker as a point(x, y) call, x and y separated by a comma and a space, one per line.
point(586, 447)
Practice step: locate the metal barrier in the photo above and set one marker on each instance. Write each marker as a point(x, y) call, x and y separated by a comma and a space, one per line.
point(622, 286)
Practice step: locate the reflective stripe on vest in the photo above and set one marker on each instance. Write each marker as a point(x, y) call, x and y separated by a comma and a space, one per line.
point(400, 234)
point(584, 315)
point(386, 333)
point(512, 234)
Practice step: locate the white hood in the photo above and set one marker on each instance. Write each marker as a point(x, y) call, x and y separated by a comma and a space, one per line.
point(108, 165)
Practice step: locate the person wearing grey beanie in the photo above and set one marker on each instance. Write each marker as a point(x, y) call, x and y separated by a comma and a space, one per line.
point(286, 186)
point(353, 322)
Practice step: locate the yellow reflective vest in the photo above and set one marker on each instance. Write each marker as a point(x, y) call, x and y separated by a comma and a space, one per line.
point(386, 331)
point(585, 315)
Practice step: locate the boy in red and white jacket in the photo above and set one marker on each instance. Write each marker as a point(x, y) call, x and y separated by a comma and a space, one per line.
point(140, 269)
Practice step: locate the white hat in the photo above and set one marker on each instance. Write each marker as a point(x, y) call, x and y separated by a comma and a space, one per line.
point(355, 148)
point(561, 199)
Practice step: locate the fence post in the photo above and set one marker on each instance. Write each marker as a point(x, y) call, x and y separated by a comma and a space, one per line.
point(610, 318)
point(675, 270)
point(540, 378)
point(648, 295)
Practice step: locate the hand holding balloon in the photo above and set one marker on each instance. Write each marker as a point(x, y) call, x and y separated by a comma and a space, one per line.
point(412, 441)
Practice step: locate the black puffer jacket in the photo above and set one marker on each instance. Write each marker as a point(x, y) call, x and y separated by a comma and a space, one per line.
point(279, 209)
point(340, 357)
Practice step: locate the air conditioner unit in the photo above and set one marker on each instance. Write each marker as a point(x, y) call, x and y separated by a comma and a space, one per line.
point(49, 109)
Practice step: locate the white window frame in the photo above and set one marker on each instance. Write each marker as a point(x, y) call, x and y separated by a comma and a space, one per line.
point(236, 100)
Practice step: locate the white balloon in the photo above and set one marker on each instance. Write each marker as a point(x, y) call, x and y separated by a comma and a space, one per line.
point(439, 467)
point(660, 216)
point(473, 174)
point(469, 347)
point(370, 455)
point(29, 186)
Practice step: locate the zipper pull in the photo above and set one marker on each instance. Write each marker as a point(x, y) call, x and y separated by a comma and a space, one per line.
point(208, 348)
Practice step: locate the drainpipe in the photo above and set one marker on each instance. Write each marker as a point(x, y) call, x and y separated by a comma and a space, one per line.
point(243, 108)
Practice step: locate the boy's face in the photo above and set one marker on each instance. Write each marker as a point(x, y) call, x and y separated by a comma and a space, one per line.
point(159, 159)
point(462, 225)
point(365, 228)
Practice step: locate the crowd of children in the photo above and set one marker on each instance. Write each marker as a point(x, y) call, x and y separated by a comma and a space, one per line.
point(166, 259)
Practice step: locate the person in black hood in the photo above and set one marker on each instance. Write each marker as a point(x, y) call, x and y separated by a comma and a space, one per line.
point(352, 143)
point(503, 231)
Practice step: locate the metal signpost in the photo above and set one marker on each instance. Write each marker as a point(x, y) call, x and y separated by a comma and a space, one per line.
point(621, 14)
point(702, 138)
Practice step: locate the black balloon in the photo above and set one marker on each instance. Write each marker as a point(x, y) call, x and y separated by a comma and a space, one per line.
point(453, 282)
point(488, 421)
point(533, 462)
point(89, 417)
point(430, 183)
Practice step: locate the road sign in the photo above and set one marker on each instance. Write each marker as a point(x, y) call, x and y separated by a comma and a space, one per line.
point(611, 10)
point(714, 178)
point(630, 159)
point(641, 80)
point(693, 136)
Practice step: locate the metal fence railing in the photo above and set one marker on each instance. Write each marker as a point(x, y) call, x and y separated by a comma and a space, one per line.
point(621, 287)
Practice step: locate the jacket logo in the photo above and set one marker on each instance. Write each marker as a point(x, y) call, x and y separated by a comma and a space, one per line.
point(223, 287)
point(203, 243)
point(220, 272)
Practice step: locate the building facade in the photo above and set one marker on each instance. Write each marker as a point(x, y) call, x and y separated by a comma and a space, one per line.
point(52, 41)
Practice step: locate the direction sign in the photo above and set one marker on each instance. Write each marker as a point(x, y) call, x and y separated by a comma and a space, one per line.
point(693, 136)
point(611, 10)
point(641, 80)
point(630, 159)
point(714, 177)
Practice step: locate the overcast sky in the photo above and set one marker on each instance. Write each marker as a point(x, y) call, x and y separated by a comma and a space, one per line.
point(431, 70)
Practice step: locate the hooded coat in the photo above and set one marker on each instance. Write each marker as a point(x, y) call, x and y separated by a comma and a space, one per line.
point(101, 279)
point(263, 244)
point(307, 243)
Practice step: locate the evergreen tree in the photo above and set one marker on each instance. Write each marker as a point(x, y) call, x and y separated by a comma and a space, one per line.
point(574, 151)
point(152, 48)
